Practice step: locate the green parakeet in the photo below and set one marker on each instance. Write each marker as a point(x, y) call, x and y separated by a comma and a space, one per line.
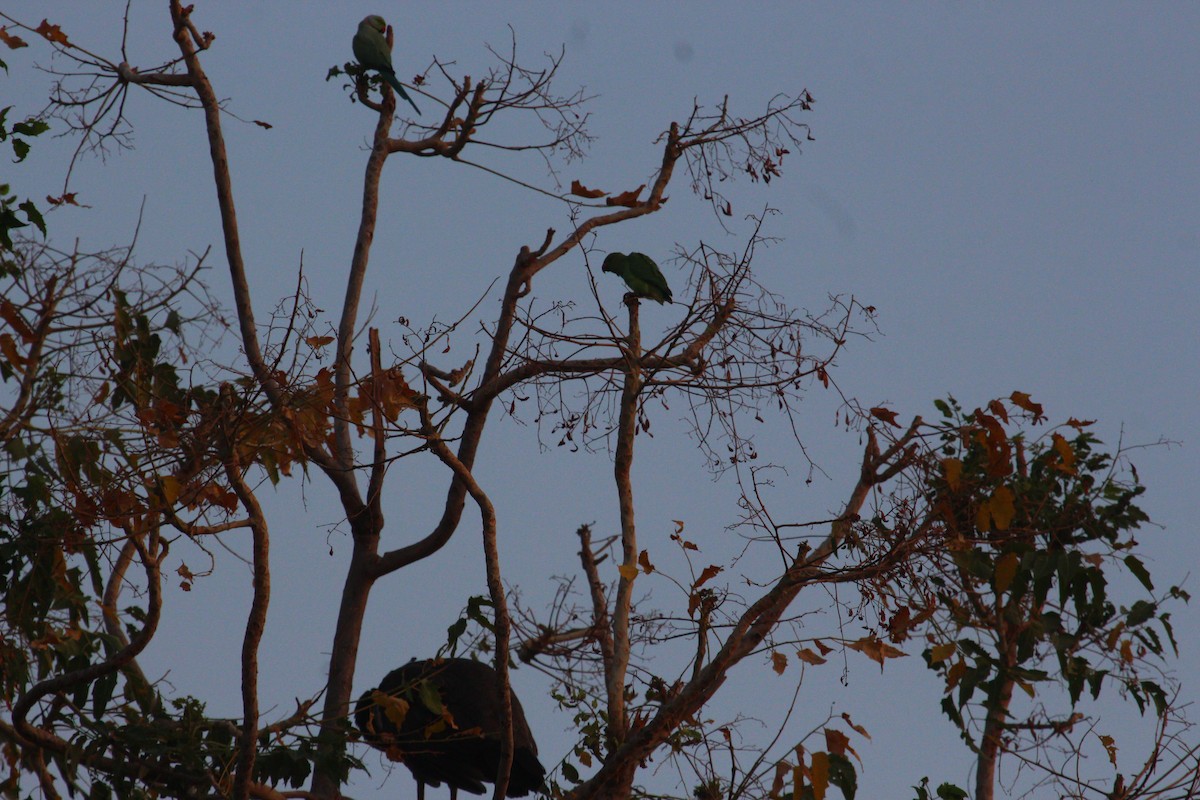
point(641, 274)
point(372, 51)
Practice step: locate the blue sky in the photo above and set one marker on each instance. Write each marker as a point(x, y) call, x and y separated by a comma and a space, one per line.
point(1015, 188)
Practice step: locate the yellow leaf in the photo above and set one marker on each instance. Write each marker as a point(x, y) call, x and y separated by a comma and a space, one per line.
point(1027, 688)
point(628, 571)
point(952, 467)
point(171, 487)
point(1065, 453)
point(941, 652)
point(395, 708)
point(1006, 570)
point(983, 516)
point(1002, 508)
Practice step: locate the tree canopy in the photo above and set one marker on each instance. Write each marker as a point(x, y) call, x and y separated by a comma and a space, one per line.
point(146, 427)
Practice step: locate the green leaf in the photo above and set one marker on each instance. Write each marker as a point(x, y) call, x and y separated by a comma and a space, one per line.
point(1140, 612)
point(1139, 572)
point(31, 127)
point(33, 215)
point(102, 692)
point(842, 775)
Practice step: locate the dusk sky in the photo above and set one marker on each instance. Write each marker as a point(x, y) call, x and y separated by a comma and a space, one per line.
point(1014, 187)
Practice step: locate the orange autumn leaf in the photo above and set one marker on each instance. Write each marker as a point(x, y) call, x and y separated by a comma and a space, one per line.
point(1022, 400)
point(628, 199)
point(710, 572)
point(809, 657)
point(10, 314)
point(887, 415)
point(874, 649)
point(778, 662)
point(580, 190)
point(52, 33)
point(644, 563)
point(13, 42)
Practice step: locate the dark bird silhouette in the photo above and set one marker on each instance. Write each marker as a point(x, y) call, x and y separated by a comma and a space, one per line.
point(442, 719)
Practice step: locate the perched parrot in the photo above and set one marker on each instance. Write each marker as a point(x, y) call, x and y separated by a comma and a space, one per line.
point(641, 274)
point(372, 51)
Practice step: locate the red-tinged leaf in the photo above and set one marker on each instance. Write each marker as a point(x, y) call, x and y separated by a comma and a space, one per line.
point(825, 649)
point(997, 408)
point(857, 728)
point(678, 525)
point(1080, 424)
point(710, 572)
point(809, 657)
point(52, 33)
point(644, 563)
point(12, 41)
point(1022, 400)
point(778, 662)
point(837, 742)
point(318, 341)
point(263, 125)
point(887, 415)
point(579, 190)
point(900, 624)
point(628, 199)
point(728, 209)
point(67, 199)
